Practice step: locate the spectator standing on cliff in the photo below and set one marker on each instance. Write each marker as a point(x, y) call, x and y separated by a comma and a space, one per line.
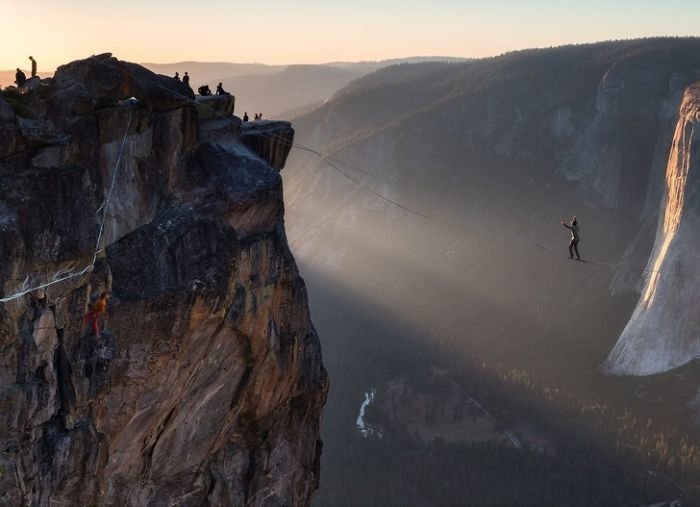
point(33, 66)
point(176, 77)
point(20, 77)
point(245, 117)
point(220, 90)
point(573, 244)
point(186, 79)
point(259, 116)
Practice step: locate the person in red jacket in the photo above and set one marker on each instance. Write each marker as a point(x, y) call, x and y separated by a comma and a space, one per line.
point(99, 308)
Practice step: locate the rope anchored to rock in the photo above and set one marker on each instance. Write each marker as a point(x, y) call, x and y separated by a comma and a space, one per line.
point(60, 277)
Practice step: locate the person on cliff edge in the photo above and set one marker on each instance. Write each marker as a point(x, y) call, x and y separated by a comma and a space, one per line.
point(20, 77)
point(33, 66)
point(575, 238)
point(99, 308)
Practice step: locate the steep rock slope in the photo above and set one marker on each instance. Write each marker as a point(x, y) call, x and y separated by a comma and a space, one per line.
point(664, 330)
point(206, 386)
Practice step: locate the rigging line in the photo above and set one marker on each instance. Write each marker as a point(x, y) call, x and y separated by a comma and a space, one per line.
point(103, 207)
point(404, 207)
point(510, 236)
point(327, 157)
point(106, 203)
point(329, 161)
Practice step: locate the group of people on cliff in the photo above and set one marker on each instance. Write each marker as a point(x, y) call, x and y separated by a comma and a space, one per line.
point(203, 90)
point(21, 77)
point(258, 116)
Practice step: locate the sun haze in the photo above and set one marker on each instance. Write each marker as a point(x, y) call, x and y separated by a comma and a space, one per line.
point(312, 31)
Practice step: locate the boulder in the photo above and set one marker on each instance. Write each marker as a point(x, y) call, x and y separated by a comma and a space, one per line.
point(7, 115)
point(103, 78)
point(33, 84)
point(215, 107)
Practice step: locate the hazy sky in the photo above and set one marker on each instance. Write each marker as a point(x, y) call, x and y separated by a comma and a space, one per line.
point(314, 31)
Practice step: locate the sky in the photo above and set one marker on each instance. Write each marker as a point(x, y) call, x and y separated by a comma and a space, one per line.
point(316, 31)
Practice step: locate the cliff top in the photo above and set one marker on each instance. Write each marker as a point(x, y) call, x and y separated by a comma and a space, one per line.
point(691, 102)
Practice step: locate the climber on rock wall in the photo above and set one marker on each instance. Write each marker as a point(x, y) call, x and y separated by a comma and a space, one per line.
point(99, 308)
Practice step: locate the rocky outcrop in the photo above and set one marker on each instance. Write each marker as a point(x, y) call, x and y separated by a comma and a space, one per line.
point(212, 107)
point(206, 385)
point(271, 140)
point(664, 330)
point(88, 82)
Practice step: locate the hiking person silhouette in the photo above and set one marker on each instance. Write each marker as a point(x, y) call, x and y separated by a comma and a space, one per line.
point(20, 77)
point(575, 238)
point(33, 66)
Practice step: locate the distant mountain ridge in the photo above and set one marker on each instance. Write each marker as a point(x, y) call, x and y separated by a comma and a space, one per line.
point(276, 90)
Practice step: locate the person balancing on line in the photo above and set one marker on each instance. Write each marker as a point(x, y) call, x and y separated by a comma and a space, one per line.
point(98, 310)
point(573, 244)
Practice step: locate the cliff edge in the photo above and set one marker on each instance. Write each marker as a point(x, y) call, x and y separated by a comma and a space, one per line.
point(205, 385)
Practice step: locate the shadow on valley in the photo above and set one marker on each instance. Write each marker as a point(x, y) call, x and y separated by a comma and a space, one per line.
point(590, 459)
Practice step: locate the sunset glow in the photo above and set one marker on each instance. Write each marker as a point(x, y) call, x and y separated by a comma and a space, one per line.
point(311, 31)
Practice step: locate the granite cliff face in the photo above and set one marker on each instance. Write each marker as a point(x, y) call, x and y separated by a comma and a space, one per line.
point(206, 386)
point(664, 330)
